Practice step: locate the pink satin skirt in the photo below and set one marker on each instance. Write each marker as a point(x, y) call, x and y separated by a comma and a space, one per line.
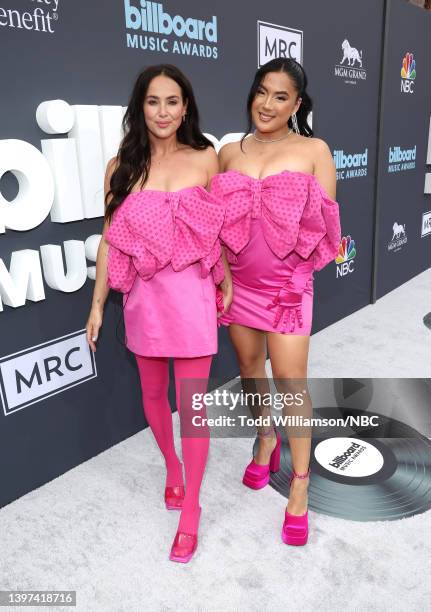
point(173, 314)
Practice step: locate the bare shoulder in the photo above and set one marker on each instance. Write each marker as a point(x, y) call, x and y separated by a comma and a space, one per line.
point(209, 154)
point(320, 148)
point(228, 152)
point(230, 148)
point(206, 159)
point(204, 156)
point(324, 166)
point(200, 155)
point(111, 166)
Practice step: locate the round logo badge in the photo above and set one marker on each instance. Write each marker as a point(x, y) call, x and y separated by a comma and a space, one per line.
point(349, 457)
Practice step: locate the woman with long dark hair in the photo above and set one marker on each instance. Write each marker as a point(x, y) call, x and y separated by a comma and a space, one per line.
point(160, 248)
point(281, 224)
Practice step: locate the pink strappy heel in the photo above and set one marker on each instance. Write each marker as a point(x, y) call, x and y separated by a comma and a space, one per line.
point(174, 497)
point(295, 528)
point(257, 476)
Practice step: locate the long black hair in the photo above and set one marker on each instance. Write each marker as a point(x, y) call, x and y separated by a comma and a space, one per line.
point(296, 72)
point(134, 154)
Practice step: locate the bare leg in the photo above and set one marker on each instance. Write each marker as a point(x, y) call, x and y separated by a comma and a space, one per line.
point(250, 348)
point(289, 355)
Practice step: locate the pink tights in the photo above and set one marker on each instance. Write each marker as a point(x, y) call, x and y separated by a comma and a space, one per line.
point(154, 376)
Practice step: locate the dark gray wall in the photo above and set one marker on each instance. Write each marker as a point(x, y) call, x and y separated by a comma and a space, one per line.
point(405, 121)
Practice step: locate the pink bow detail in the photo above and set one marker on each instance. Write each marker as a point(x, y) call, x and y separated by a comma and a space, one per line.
point(153, 228)
point(296, 214)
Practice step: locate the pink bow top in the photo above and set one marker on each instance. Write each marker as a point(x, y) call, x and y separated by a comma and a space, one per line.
point(153, 228)
point(295, 211)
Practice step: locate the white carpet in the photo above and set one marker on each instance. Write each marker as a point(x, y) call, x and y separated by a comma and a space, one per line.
point(387, 339)
point(101, 529)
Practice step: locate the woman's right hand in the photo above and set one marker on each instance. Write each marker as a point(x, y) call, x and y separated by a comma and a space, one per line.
point(93, 326)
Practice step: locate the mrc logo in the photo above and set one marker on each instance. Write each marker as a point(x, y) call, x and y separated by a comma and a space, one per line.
point(278, 41)
point(38, 372)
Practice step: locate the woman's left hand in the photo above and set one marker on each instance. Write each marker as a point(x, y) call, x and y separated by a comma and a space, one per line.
point(226, 287)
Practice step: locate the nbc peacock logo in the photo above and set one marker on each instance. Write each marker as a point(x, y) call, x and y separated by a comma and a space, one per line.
point(408, 73)
point(346, 256)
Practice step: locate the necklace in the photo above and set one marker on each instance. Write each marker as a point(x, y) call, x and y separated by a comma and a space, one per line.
point(275, 139)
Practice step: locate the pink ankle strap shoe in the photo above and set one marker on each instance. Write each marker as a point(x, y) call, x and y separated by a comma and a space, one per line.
point(295, 528)
point(257, 476)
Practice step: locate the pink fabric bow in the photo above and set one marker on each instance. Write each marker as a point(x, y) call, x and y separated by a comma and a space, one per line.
point(296, 214)
point(153, 228)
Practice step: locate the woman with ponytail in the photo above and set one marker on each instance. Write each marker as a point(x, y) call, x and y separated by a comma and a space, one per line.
point(160, 247)
point(281, 225)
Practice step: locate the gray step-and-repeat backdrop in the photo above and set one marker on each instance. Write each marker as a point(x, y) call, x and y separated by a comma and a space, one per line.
point(68, 69)
point(403, 232)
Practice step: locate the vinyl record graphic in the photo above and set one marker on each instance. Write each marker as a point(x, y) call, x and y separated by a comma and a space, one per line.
point(385, 477)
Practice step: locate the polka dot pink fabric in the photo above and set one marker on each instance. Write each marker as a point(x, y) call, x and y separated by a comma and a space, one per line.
point(296, 214)
point(162, 248)
point(277, 231)
point(153, 228)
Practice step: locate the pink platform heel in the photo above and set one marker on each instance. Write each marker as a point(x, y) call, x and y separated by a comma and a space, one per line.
point(295, 528)
point(174, 497)
point(257, 476)
point(184, 546)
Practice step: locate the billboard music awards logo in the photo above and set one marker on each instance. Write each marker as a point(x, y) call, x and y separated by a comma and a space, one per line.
point(350, 67)
point(151, 28)
point(346, 256)
point(426, 224)
point(399, 238)
point(408, 73)
point(41, 18)
point(350, 165)
point(401, 159)
point(278, 41)
point(352, 457)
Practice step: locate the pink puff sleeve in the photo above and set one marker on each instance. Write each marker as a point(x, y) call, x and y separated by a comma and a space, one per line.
point(319, 229)
point(120, 269)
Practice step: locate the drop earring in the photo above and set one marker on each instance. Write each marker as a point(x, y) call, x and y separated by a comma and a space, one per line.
point(295, 123)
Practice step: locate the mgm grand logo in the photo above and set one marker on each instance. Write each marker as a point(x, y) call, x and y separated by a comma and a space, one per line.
point(351, 67)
